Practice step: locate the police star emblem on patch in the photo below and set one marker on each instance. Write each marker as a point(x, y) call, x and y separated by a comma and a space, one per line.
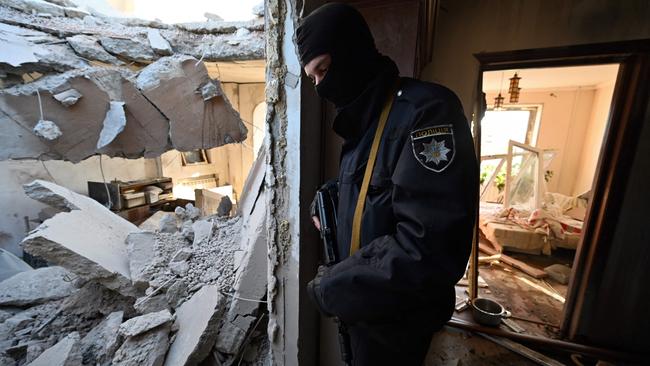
point(434, 147)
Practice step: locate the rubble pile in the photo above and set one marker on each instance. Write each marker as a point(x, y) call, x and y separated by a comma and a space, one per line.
point(74, 84)
point(118, 295)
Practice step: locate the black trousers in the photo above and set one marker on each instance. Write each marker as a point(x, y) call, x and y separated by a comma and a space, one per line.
point(400, 342)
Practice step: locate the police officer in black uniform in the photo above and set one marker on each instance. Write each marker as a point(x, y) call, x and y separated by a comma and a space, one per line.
point(417, 223)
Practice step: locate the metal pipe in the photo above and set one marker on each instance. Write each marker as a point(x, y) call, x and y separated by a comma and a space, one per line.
point(548, 342)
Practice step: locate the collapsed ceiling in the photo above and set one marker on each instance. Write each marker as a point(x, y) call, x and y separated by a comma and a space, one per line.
point(76, 84)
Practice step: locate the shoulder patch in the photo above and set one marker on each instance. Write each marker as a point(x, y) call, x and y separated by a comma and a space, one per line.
point(434, 147)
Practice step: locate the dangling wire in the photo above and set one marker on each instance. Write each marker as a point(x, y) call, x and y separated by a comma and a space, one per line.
point(108, 194)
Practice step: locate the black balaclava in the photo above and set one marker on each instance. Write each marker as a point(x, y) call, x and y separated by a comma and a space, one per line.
point(341, 31)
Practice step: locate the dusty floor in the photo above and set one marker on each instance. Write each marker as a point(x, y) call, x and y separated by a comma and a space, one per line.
point(452, 347)
point(524, 296)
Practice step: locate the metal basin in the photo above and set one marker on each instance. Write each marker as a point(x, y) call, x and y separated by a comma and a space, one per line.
point(488, 312)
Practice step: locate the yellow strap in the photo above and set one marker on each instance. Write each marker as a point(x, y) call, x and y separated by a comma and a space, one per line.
point(361, 201)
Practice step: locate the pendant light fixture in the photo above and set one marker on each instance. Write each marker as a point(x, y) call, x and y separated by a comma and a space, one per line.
point(514, 88)
point(498, 100)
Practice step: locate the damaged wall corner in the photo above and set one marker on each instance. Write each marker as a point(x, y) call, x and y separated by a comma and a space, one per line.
point(293, 321)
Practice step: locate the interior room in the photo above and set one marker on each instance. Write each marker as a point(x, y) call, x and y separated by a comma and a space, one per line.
point(541, 138)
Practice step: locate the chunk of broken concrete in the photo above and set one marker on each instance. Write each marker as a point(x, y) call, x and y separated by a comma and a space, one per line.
point(202, 231)
point(99, 345)
point(209, 91)
point(98, 252)
point(214, 120)
point(71, 12)
point(182, 254)
point(225, 206)
point(130, 49)
point(140, 246)
point(114, 124)
point(68, 97)
point(176, 293)
point(158, 43)
point(13, 324)
point(179, 268)
point(168, 224)
point(64, 353)
point(89, 47)
point(192, 212)
point(36, 6)
point(145, 305)
point(198, 324)
point(36, 286)
point(47, 130)
point(559, 273)
point(147, 349)
point(144, 323)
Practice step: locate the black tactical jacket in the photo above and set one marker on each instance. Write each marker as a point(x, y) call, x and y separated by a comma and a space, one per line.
point(420, 210)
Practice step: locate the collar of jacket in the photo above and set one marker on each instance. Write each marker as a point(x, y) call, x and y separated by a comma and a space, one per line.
point(353, 120)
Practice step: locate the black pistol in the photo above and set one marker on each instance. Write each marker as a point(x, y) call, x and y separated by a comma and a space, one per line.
point(326, 209)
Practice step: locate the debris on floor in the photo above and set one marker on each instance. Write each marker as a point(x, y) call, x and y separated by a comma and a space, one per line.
point(119, 295)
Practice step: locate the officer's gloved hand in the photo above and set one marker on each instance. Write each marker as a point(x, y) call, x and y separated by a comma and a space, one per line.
point(314, 291)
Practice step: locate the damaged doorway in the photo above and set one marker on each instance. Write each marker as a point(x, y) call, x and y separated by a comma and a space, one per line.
point(539, 158)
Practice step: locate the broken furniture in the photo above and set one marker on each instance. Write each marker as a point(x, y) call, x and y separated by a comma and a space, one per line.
point(124, 195)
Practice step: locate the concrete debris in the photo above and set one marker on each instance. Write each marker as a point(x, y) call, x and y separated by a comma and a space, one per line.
point(99, 345)
point(36, 286)
point(559, 272)
point(258, 10)
point(168, 224)
point(187, 231)
point(16, 49)
point(158, 43)
point(139, 247)
point(15, 323)
point(202, 231)
point(89, 47)
point(184, 254)
point(189, 115)
point(179, 268)
point(97, 300)
point(57, 57)
point(151, 304)
point(153, 222)
point(198, 323)
point(96, 253)
point(130, 49)
point(147, 349)
point(221, 27)
point(47, 130)
point(68, 97)
point(209, 91)
point(36, 6)
point(64, 353)
point(225, 206)
point(75, 13)
point(144, 323)
point(251, 282)
point(114, 124)
point(176, 293)
point(212, 17)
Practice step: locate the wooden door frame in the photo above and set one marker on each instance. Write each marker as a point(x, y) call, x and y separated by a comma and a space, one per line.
point(614, 163)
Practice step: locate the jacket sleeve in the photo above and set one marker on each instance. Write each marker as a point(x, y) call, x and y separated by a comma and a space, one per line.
point(428, 252)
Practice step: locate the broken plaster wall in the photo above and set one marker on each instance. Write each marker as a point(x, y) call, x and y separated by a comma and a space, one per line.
point(231, 163)
point(15, 205)
point(283, 179)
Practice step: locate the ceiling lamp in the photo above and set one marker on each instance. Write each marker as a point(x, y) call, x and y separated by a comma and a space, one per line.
point(498, 103)
point(514, 89)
